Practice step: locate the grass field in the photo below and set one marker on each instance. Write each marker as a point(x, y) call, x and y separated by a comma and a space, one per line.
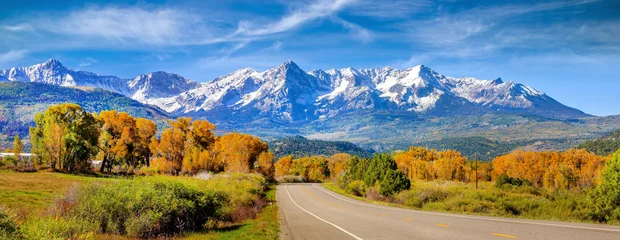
point(33, 193)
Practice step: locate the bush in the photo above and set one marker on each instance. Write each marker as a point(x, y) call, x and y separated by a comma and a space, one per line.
point(606, 197)
point(504, 180)
point(291, 179)
point(8, 162)
point(393, 182)
point(146, 207)
point(59, 229)
point(418, 197)
point(9, 229)
point(357, 188)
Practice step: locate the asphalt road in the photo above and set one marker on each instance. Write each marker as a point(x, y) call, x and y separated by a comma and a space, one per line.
point(309, 211)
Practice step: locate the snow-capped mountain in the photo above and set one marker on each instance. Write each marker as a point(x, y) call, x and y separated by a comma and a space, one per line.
point(288, 93)
point(143, 88)
point(53, 72)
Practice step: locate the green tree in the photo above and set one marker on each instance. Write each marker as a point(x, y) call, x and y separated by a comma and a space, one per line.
point(377, 168)
point(17, 147)
point(355, 170)
point(606, 197)
point(65, 137)
point(393, 182)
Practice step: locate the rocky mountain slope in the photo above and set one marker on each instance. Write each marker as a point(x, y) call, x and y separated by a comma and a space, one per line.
point(286, 93)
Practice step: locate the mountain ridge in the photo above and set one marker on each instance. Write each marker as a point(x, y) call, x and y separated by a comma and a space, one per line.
point(288, 93)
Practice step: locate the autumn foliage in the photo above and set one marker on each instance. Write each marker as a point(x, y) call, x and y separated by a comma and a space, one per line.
point(66, 137)
point(420, 163)
point(574, 168)
point(311, 169)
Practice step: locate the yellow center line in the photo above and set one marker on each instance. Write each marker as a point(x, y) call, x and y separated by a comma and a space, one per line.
point(407, 219)
point(384, 215)
point(441, 225)
point(504, 235)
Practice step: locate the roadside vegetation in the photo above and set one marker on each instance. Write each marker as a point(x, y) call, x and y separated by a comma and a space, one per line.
point(574, 185)
point(184, 181)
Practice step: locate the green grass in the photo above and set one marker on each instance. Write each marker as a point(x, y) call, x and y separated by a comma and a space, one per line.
point(265, 226)
point(487, 200)
point(33, 193)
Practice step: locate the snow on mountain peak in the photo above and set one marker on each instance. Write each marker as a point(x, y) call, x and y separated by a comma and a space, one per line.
point(287, 92)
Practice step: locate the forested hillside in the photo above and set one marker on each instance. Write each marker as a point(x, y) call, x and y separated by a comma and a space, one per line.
point(484, 148)
point(605, 145)
point(299, 146)
point(20, 101)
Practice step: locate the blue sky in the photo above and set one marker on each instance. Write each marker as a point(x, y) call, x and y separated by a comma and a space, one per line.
point(569, 49)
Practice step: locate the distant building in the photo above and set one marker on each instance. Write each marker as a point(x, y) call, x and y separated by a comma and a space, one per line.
point(24, 155)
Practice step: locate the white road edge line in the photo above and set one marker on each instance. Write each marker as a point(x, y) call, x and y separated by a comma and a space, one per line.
point(466, 217)
point(317, 217)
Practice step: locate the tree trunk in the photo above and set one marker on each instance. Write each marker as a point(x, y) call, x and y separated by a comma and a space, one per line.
point(105, 159)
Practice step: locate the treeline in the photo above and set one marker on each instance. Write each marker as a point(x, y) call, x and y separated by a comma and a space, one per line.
point(605, 145)
point(572, 169)
point(20, 100)
point(299, 146)
point(66, 137)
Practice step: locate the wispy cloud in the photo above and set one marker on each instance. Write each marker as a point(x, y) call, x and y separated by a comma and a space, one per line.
point(164, 27)
point(135, 25)
point(483, 32)
point(358, 32)
point(234, 48)
point(19, 28)
point(390, 9)
point(317, 10)
point(12, 55)
point(87, 62)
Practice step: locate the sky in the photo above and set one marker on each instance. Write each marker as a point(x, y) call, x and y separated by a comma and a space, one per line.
point(568, 49)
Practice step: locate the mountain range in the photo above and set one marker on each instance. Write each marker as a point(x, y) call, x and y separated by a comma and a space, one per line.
point(286, 93)
point(378, 108)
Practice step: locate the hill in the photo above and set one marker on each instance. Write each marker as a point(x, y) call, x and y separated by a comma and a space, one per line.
point(299, 146)
point(605, 145)
point(21, 101)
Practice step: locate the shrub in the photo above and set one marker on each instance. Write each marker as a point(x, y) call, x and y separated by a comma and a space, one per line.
point(418, 197)
point(8, 162)
point(393, 182)
point(504, 180)
point(9, 229)
point(146, 207)
point(357, 188)
point(59, 229)
point(291, 179)
point(606, 197)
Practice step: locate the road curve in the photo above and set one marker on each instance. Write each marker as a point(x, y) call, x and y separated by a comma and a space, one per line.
point(309, 211)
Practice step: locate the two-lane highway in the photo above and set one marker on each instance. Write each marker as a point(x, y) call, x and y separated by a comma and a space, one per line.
point(309, 211)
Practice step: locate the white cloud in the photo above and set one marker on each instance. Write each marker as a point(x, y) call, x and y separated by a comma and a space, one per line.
point(390, 9)
point(87, 62)
point(135, 25)
point(24, 27)
point(358, 32)
point(232, 49)
point(12, 55)
point(317, 10)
